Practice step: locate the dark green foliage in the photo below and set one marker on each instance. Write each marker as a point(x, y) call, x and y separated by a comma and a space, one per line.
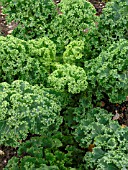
point(109, 139)
point(26, 60)
point(108, 72)
point(34, 17)
point(113, 23)
point(93, 124)
point(28, 162)
point(39, 152)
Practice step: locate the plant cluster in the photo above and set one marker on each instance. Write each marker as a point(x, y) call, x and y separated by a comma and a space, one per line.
point(26, 60)
point(109, 139)
point(109, 71)
point(114, 22)
point(67, 21)
point(28, 109)
point(55, 69)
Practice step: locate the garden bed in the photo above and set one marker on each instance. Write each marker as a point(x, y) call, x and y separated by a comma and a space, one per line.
point(117, 111)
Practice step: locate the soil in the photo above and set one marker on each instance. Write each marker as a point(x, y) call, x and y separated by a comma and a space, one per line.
point(120, 111)
point(6, 153)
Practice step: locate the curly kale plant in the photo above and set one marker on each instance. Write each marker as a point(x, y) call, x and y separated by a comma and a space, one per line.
point(108, 73)
point(76, 21)
point(69, 20)
point(41, 152)
point(68, 77)
point(113, 23)
point(28, 109)
point(33, 17)
point(26, 60)
point(74, 53)
point(109, 140)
